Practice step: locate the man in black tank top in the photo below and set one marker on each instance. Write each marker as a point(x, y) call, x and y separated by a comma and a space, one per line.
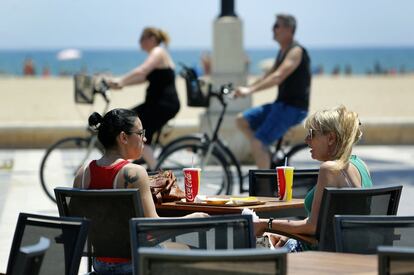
point(265, 124)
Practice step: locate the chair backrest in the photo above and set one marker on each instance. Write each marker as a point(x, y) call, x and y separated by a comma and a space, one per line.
point(67, 239)
point(363, 234)
point(29, 258)
point(241, 261)
point(263, 182)
point(109, 212)
point(353, 201)
point(216, 232)
point(395, 260)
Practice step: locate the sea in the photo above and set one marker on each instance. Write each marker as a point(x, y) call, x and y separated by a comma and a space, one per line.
point(359, 61)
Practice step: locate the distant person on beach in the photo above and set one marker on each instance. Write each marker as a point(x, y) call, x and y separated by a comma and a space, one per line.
point(46, 71)
point(29, 67)
point(161, 101)
point(206, 63)
point(265, 124)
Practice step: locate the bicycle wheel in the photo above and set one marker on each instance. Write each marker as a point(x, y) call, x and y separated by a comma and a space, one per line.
point(215, 177)
point(62, 160)
point(233, 164)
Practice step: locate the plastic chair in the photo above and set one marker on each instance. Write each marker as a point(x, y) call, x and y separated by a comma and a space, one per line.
point(197, 262)
point(212, 233)
point(263, 182)
point(363, 234)
point(29, 258)
point(109, 212)
point(395, 260)
point(349, 201)
point(67, 239)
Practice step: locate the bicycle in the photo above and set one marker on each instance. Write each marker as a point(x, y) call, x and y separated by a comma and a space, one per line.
point(218, 163)
point(64, 158)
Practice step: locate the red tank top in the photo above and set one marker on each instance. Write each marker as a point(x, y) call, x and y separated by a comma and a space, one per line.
point(102, 177)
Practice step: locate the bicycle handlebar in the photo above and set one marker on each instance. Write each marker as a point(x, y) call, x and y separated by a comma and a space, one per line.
point(102, 87)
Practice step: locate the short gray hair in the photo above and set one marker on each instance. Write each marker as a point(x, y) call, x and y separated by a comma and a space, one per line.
point(287, 20)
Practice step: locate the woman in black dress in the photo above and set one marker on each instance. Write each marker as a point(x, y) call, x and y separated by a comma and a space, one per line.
point(161, 100)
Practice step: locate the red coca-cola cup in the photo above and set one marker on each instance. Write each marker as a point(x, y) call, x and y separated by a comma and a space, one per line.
point(191, 183)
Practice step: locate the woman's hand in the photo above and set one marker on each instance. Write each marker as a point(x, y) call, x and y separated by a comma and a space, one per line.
point(197, 215)
point(114, 84)
point(276, 239)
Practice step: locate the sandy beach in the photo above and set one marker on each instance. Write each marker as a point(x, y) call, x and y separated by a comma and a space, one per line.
point(38, 103)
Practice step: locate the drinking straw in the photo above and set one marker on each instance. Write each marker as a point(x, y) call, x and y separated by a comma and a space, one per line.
point(192, 161)
point(285, 161)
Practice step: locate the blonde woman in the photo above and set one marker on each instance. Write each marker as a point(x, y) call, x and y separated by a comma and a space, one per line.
point(331, 136)
point(161, 100)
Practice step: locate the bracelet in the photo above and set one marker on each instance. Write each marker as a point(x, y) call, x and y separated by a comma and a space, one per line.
point(269, 223)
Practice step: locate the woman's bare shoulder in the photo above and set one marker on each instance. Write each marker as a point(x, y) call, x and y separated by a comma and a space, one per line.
point(133, 174)
point(329, 165)
point(328, 173)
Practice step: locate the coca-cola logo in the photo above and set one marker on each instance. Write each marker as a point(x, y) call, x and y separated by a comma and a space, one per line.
point(188, 186)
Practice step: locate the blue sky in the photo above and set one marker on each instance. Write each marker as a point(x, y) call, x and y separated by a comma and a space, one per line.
point(27, 24)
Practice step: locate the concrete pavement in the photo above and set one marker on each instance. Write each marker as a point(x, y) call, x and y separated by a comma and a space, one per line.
point(20, 189)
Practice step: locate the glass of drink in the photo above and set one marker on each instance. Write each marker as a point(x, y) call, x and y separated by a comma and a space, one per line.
point(191, 183)
point(285, 182)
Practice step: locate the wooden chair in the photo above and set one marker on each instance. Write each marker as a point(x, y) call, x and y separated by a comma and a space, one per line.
point(263, 182)
point(109, 212)
point(67, 239)
point(363, 234)
point(395, 260)
point(199, 262)
point(348, 201)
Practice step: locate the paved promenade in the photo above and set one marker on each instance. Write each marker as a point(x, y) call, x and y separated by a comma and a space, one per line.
point(20, 189)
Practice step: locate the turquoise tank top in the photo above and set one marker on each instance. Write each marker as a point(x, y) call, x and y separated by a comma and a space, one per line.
point(366, 182)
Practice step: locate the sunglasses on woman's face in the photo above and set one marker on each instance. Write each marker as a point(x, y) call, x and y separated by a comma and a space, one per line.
point(311, 134)
point(140, 133)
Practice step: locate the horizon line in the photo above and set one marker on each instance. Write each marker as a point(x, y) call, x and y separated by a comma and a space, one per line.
point(327, 47)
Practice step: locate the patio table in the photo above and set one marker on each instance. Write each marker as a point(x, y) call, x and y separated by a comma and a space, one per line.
point(270, 207)
point(319, 263)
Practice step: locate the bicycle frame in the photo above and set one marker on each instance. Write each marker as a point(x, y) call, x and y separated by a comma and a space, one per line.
point(212, 143)
point(103, 91)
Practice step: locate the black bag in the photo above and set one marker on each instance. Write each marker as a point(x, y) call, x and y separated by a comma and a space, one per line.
point(195, 96)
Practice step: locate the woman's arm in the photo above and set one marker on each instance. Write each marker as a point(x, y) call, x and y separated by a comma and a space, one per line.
point(77, 183)
point(139, 74)
point(136, 176)
point(327, 175)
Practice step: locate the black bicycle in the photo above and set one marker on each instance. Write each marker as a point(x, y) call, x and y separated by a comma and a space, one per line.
point(219, 165)
point(64, 158)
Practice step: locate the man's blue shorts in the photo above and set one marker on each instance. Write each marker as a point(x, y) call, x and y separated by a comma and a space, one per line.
point(271, 121)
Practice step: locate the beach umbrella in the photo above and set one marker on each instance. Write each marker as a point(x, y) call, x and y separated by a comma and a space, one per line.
point(69, 54)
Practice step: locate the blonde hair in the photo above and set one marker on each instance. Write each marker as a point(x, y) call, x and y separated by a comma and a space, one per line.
point(344, 124)
point(159, 35)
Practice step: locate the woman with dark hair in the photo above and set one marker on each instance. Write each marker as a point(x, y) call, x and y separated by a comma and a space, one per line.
point(121, 134)
point(161, 100)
